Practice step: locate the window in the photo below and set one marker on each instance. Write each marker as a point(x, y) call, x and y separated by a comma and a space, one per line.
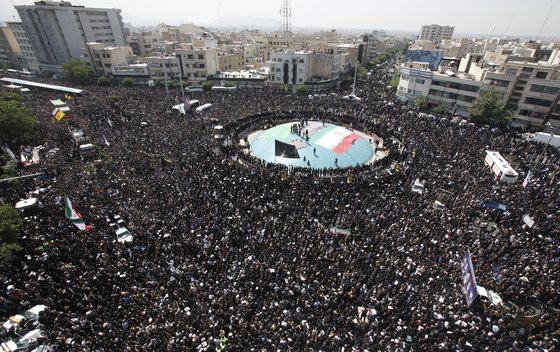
point(541, 74)
point(527, 69)
point(420, 81)
point(538, 102)
point(201, 57)
point(404, 77)
point(530, 113)
point(454, 85)
point(496, 82)
point(544, 89)
point(190, 57)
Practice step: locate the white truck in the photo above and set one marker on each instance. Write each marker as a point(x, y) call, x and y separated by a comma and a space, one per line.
point(547, 138)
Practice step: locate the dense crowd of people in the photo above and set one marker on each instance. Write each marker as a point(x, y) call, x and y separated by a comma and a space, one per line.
point(238, 257)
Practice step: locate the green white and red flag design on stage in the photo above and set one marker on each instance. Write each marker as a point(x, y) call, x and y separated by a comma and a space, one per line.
point(73, 215)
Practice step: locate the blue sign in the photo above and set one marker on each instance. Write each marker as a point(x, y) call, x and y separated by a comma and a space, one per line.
point(493, 205)
point(432, 57)
point(469, 281)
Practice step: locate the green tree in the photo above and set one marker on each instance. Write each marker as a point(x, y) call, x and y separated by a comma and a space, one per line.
point(395, 80)
point(301, 90)
point(7, 251)
point(362, 72)
point(158, 82)
point(438, 110)
point(104, 81)
point(127, 81)
point(76, 71)
point(15, 121)
point(487, 109)
point(229, 84)
point(421, 102)
point(10, 96)
point(207, 85)
point(9, 168)
point(10, 223)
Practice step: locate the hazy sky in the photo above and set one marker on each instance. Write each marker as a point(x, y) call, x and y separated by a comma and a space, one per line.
point(525, 17)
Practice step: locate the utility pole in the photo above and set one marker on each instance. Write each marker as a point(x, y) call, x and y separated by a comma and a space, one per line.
point(355, 75)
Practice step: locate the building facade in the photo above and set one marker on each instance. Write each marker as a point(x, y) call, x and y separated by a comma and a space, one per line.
point(58, 31)
point(26, 57)
point(9, 47)
point(197, 64)
point(289, 67)
point(163, 67)
point(435, 32)
point(531, 90)
point(102, 59)
point(231, 60)
point(145, 43)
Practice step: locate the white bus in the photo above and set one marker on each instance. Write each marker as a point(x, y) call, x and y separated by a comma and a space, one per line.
point(220, 88)
point(19, 73)
point(203, 107)
point(500, 167)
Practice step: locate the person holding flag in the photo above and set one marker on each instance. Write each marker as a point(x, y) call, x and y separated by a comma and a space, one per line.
point(58, 114)
point(73, 215)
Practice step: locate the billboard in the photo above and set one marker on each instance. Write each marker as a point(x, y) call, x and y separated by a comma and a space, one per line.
point(469, 281)
point(432, 57)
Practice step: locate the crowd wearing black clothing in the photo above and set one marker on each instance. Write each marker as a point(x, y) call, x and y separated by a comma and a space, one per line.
point(222, 250)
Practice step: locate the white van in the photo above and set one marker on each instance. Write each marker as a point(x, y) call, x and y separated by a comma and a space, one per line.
point(203, 107)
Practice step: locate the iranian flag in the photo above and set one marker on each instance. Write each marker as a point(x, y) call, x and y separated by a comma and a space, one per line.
point(73, 215)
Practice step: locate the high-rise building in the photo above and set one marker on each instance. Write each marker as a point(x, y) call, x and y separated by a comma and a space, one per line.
point(435, 32)
point(26, 57)
point(58, 31)
point(9, 48)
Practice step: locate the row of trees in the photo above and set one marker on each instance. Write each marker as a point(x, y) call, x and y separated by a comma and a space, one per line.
point(76, 71)
point(16, 122)
point(486, 109)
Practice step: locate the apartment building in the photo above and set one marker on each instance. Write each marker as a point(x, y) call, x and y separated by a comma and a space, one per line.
point(197, 64)
point(535, 93)
point(299, 67)
point(9, 47)
point(145, 43)
point(58, 31)
point(289, 67)
point(163, 67)
point(435, 32)
point(232, 59)
point(26, 56)
point(102, 59)
point(530, 89)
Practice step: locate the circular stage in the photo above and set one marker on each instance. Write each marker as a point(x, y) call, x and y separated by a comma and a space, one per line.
point(316, 145)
